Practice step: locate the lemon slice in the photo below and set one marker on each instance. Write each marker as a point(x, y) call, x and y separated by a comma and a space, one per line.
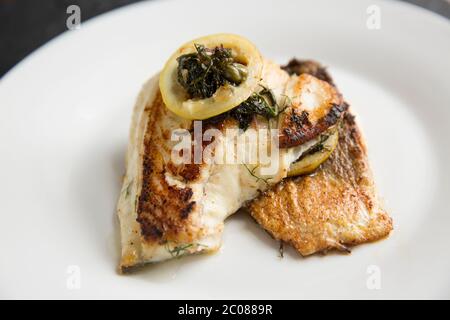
point(226, 97)
point(310, 162)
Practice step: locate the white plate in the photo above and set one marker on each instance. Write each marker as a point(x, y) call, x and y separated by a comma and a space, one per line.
point(65, 113)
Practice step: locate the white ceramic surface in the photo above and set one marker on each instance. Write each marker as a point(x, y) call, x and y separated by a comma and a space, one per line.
point(65, 113)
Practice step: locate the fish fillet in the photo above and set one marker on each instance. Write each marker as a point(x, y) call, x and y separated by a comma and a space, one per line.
point(168, 210)
point(334, 208)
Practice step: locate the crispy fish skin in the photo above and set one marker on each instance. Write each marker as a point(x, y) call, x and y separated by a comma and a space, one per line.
point(333, 208)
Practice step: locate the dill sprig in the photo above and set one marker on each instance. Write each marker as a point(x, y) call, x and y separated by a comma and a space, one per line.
point(180, 250)
point(261, 103)
point(318, 147)
point(252, 173)
point(202, 72)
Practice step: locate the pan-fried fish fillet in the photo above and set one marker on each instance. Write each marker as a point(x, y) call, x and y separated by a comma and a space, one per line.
point(167, 210)
point(333, 208)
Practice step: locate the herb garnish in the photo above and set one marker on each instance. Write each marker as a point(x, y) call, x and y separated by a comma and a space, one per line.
point(201, 73)
point(181, 250)
point(261, 103)
point(318, 147)
point(252, 173)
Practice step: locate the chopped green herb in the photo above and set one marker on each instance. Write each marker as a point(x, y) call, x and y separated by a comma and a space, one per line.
point(261, 103)
point(252, 173)
point(318, 147)
point(201, 73)
point(178, 251)
point(181, 250)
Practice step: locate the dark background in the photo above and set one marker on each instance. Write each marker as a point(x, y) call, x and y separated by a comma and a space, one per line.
point(25, 25)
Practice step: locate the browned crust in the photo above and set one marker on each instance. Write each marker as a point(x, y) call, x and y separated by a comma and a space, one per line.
point(162, 209)
point(297, 128)
point(322, 211)
point(189, 171)
point(164, 212)
point(296, 66)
